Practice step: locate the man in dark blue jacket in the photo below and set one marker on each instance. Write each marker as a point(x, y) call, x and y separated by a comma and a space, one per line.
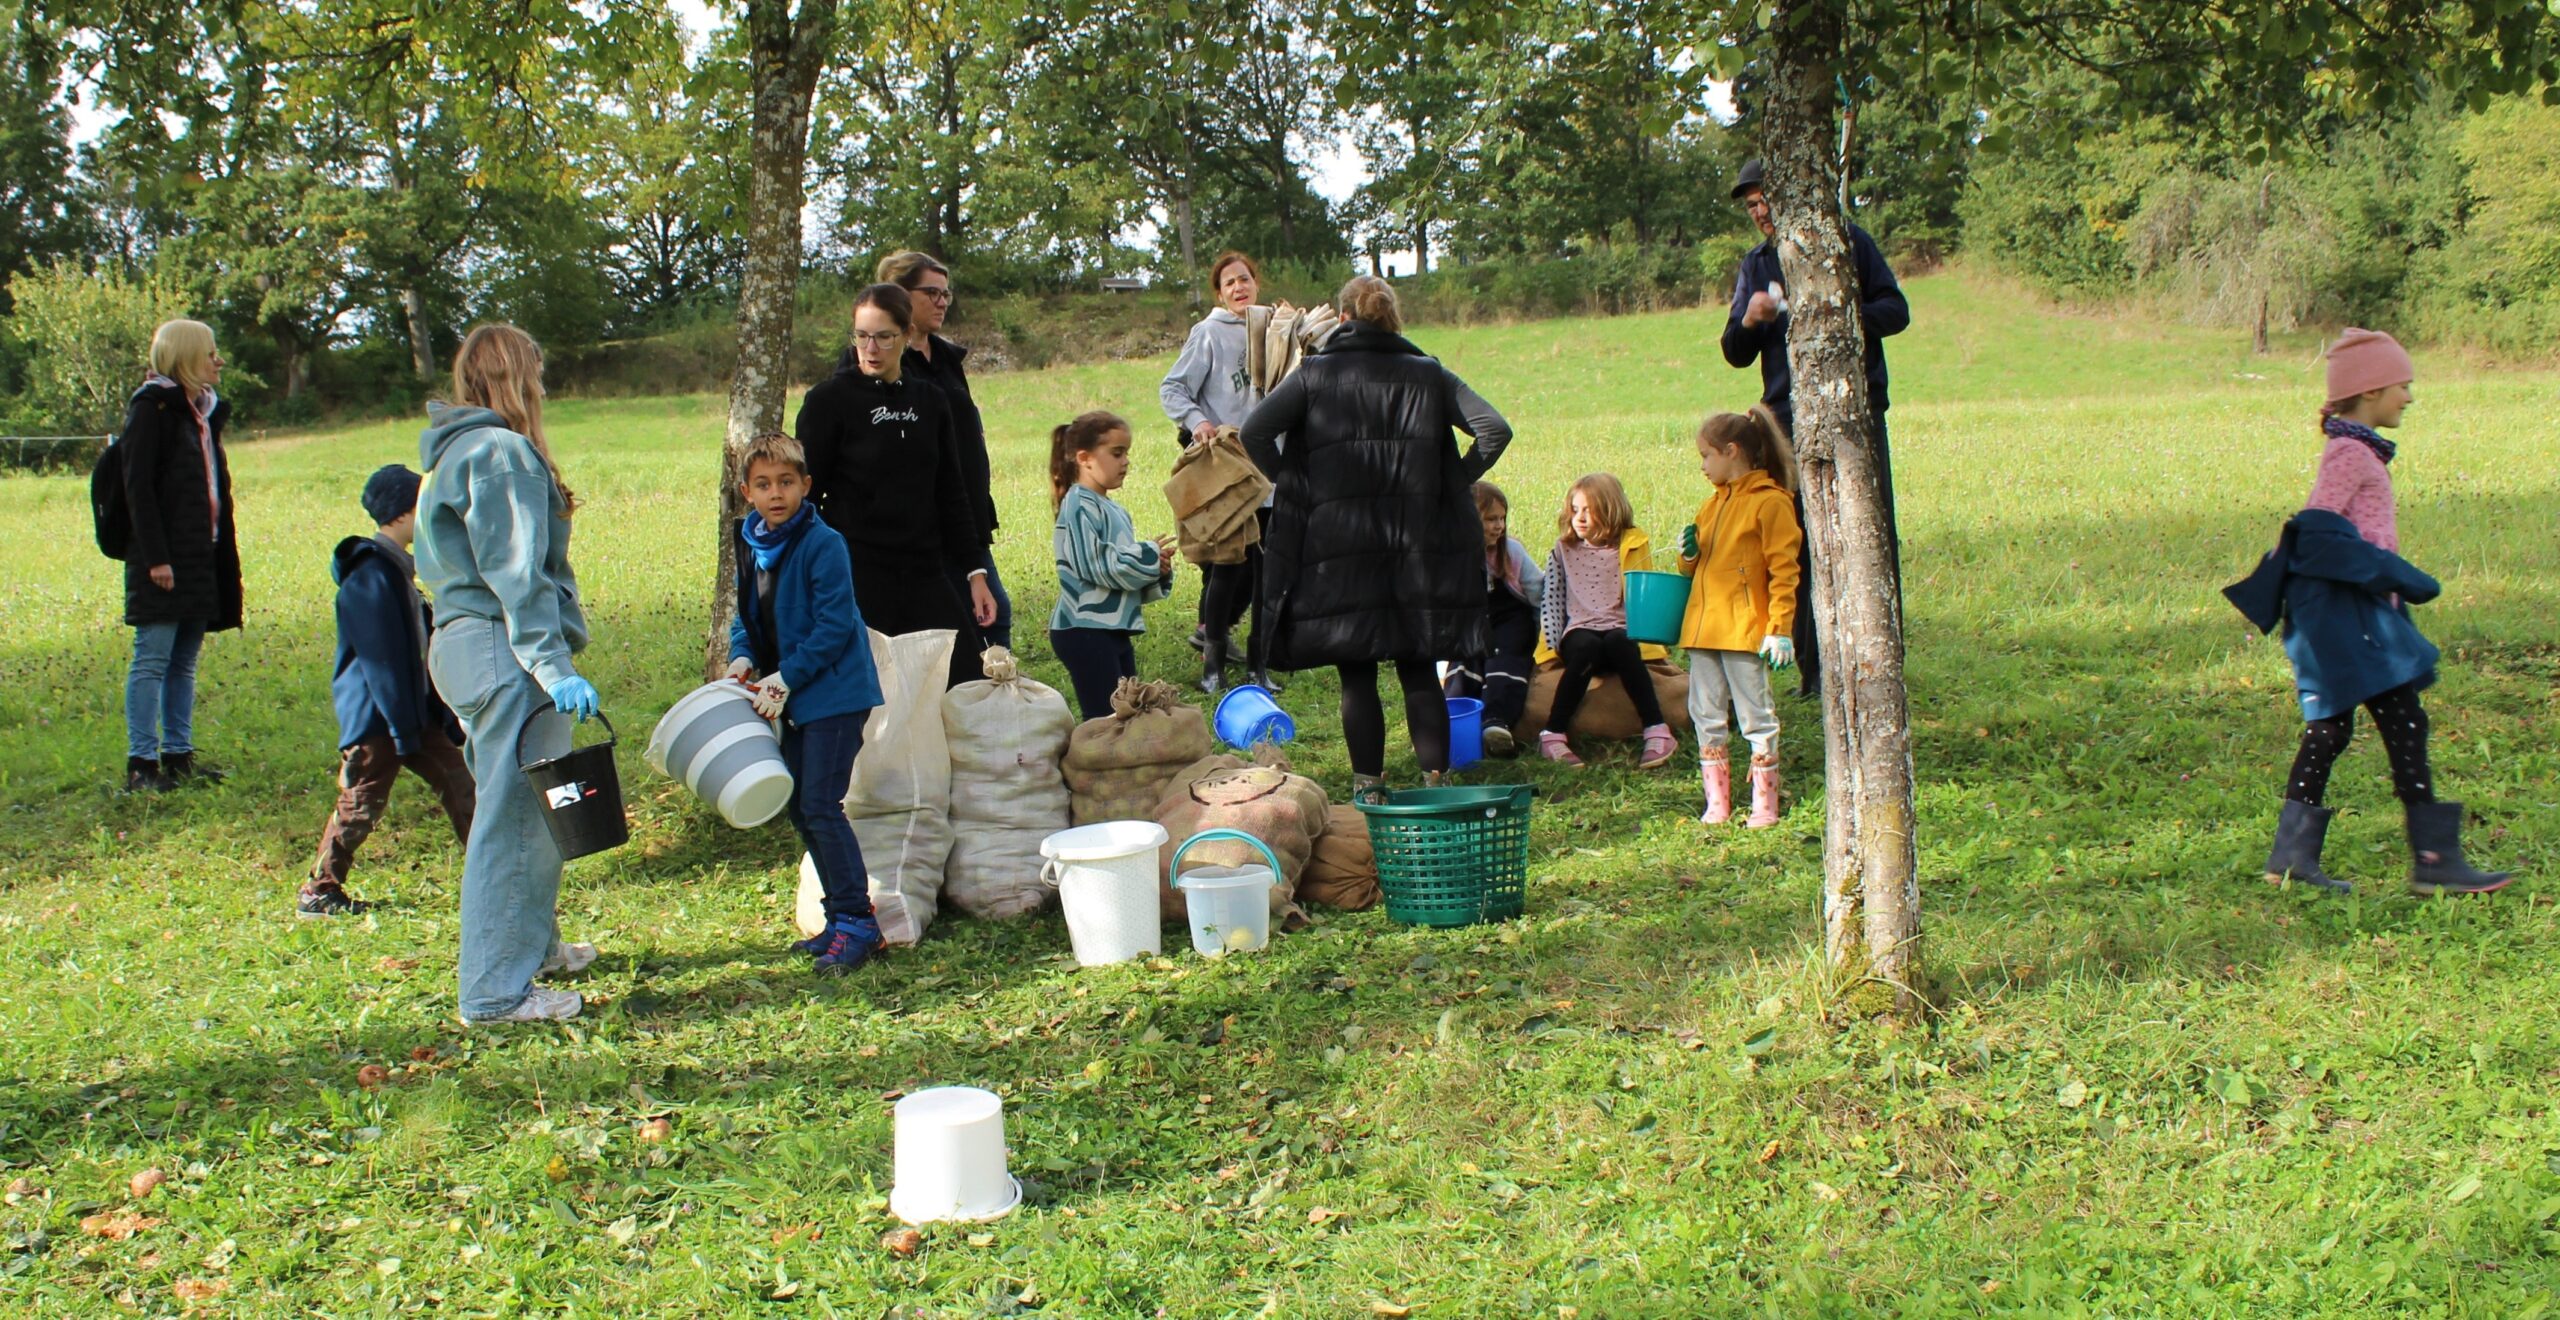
point(389, 716)
point(1756, 328)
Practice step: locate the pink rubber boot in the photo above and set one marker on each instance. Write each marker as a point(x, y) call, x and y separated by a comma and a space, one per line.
point(1717, 773)
point(1554, 747)
point(1764, 792)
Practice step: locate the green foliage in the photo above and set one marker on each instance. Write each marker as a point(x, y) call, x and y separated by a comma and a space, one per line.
point(2498, 281)
point(2160, 1087)
point(87, 338)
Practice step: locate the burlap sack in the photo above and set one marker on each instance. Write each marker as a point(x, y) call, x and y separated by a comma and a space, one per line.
point(1606, 710)
point(1118, 766)
point(899, 797)
point(1007, 733)
point(1285, 811)
point(1214, 491)
point(1343, 870)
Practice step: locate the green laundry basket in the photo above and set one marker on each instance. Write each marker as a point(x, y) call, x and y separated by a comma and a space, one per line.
point(1452, 856)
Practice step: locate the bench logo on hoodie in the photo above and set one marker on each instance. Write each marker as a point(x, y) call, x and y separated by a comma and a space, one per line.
point(885, 413)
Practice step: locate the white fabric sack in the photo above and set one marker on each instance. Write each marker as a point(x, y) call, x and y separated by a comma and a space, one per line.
point(900, 797)
point(1007, 735)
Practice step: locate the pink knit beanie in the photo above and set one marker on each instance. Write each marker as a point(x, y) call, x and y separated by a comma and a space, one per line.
point(2365, 360)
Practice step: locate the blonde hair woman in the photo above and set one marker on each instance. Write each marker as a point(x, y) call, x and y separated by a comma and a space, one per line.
point(493, 549)
point(1376, 554)
point(182, 566)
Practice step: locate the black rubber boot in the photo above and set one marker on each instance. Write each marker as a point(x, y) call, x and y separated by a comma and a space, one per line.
point(1213, 664)
point(2436, 864)
point(2296, 857)
point(144, 776)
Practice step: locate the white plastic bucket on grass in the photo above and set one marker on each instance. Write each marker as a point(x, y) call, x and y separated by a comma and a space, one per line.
point(1106, 879)
point(713, 742)
point(1229, 906)
point(951, 1157)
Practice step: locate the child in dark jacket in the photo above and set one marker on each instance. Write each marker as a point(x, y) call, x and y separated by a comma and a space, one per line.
point(1514, 592)
point(389, 717)
point(2343, 592)
point(798, 627)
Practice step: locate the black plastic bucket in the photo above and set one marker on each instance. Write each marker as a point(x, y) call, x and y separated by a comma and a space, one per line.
point(581, 797)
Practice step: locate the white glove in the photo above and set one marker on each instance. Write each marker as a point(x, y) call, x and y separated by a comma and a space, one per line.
point(1780, 652)
point(741, 669)
point(769, 696)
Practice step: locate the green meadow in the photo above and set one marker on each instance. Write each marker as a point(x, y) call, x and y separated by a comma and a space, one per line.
point(2157, 1086)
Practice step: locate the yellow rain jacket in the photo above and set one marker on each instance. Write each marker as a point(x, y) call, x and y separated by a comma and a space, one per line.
point(1635, 552)
point(1742, 588)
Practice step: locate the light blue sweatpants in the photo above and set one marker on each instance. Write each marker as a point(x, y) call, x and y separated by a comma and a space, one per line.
point(510, 867)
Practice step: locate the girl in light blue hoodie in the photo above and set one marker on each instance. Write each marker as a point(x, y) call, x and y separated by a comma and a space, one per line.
point(493, 549)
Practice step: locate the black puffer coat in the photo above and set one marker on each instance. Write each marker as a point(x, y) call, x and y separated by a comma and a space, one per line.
point(1375, 552)
point(178, 519)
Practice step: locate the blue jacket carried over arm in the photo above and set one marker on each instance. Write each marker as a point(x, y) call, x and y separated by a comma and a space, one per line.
point(2334, 592)
point(381, 687)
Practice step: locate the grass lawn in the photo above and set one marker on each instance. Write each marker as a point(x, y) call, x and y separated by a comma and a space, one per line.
point(2159, 1087)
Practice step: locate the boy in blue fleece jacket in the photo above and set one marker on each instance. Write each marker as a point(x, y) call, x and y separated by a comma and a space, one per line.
point(798, 626)
point(389, 716)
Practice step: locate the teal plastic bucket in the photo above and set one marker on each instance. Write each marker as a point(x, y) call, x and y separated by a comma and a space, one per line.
point(1655, 603)
point(1247, 715)
point(1466, 732)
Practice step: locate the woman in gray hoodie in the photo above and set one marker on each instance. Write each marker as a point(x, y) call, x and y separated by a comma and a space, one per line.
point(1209, 387)
point(493, 549)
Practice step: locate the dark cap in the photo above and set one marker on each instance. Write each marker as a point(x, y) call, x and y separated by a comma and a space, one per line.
point(1750, 178)
point(392, 490)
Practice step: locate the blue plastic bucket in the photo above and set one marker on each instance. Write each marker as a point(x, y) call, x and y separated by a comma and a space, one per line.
point(1655, 603)
point(1248, 715)
point(1466, 732)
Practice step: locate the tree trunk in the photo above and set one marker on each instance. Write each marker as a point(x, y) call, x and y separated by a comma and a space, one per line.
point(422, 344)
point(1421, 246)
point(1182, 231)
point(1871, 897)
point(784, 55)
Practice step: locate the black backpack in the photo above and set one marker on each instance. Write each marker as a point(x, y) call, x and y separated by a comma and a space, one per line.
point(108, 512)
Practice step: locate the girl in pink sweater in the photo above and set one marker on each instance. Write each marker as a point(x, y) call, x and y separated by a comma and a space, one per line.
point(2369, 378)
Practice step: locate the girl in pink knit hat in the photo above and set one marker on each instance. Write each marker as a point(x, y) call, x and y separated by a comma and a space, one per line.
point(2341, 590)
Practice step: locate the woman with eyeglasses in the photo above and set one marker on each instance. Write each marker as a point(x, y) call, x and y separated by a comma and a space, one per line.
point(885, 468)
point(944, 364)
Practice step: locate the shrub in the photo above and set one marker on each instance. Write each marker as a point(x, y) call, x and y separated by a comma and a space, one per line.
point(88, 337)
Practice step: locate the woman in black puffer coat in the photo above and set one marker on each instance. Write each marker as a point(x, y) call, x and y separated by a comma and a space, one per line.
point(1375, 553)
point(182, 565)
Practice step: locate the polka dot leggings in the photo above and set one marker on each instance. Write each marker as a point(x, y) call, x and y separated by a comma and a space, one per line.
point(2403, 724)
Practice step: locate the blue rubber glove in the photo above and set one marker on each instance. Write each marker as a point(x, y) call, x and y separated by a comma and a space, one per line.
point(1780, 652)
point(1689, 541)
point(574, 696)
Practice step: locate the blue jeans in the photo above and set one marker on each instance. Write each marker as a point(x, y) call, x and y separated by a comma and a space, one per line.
point(160, 690)
point(999, 633)
point(820, 756)
point(510, 866)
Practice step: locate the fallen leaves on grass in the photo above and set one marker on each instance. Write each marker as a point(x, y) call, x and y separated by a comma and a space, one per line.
point(903, 1243)
point(145, 1183)
point(1391, 1310)
point(118, 1225)
point(197, 1292)
point(1768, 1152)
point(372, 1076)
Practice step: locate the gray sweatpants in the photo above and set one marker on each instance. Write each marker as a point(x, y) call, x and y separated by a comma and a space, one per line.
point(510, 867)
point(1736, 681)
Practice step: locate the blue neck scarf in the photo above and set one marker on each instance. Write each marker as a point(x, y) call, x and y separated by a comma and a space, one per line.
point(770, 544)
point(2339, 428)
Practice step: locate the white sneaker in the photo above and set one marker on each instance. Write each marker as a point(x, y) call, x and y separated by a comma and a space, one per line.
point(541, 1004)
point(567, 959)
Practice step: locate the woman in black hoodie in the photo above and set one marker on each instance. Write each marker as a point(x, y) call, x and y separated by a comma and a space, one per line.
point(884, 465)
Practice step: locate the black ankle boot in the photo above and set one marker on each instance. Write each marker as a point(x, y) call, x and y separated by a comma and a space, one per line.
point(2300, 831)
point(182, 767)
point(2436, 864)
point(143, 775)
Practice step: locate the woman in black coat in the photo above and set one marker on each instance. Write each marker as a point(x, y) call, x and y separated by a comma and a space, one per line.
point(885, 468)
point(182, 565)
point(1375, 553)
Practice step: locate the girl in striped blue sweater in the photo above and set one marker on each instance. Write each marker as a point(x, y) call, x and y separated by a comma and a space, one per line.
point(1105, 573)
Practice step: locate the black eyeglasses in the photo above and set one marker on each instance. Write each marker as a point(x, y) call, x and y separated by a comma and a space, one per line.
point(940, 295)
